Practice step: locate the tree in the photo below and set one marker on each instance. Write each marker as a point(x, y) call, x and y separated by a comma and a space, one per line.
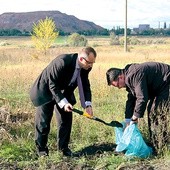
point(44, 34)
point(164, 25)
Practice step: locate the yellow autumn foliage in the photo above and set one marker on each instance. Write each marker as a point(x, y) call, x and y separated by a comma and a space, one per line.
point(44, 34)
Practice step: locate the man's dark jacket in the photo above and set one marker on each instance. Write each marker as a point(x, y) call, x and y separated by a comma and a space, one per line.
point(53, 82)
point(144, 82)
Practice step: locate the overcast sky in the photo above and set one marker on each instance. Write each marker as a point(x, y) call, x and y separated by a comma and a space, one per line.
point(106, 13)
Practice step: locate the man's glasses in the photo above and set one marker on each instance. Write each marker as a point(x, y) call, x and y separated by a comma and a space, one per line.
point(88, 62)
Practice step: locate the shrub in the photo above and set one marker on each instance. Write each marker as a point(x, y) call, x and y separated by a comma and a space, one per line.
point(160, 128)
point(4, 43)
point(77, 40)
point(114, 39)
point(134, 41)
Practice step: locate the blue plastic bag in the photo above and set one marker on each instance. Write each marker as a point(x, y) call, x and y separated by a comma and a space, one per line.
point(131, 141)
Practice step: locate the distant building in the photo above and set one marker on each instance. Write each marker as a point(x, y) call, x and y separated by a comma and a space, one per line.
point(142, 27)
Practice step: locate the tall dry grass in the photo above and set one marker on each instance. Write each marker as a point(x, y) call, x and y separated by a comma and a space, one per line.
point(21, 64)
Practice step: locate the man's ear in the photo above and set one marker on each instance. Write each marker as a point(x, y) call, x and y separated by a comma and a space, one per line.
point(82, 55)
point(81, 58)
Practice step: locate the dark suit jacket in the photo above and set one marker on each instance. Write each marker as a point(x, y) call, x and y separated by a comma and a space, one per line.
point(53, 82)
point(145, 82)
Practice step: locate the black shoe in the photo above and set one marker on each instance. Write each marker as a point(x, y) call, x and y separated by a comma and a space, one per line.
point(69, 153)
point(42, 151)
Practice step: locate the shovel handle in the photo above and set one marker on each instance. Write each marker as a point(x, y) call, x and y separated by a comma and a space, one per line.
point(77, 111)
point(87, 115)
point(82, 113)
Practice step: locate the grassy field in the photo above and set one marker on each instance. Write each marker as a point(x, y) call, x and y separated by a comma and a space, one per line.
point(20, 64)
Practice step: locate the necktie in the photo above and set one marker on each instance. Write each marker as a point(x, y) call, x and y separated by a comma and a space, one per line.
point(80, 88)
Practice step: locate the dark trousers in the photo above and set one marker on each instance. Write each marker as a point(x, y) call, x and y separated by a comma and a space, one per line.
point(43, 118)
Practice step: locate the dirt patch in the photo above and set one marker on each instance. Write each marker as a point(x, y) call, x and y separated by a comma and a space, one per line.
point(98, 149)
point(7, 117)
point(161, 165)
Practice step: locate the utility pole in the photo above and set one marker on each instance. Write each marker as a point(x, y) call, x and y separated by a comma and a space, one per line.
point(125, 29)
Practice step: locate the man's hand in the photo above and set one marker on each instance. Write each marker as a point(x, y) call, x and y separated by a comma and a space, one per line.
point(134, 120)
point(68, 107)
point(89, 110)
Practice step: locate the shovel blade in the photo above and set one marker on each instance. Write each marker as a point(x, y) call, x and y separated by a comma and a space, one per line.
point(115, 124)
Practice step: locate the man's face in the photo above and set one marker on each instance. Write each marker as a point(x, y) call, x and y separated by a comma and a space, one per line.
point(120, 82)
point(86, 62)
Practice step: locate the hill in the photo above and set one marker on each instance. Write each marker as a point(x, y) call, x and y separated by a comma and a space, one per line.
point(64, 22)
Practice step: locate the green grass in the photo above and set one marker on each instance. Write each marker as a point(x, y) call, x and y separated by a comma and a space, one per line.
point(61, 40)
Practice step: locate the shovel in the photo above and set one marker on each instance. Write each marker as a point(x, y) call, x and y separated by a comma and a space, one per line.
point(112, 123)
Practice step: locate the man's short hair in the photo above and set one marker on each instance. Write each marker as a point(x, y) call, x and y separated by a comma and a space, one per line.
point(89, 50)
point(112, 74)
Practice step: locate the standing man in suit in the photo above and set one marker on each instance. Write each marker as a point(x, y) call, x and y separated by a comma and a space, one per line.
point(54, 90)
point(148, 86)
